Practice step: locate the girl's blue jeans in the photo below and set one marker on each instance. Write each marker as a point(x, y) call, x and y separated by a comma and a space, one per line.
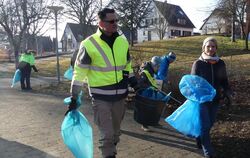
point(208, 112)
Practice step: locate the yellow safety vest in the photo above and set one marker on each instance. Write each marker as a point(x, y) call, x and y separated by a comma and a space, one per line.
point(28, 58)
point(106, 66)
point(150, 78)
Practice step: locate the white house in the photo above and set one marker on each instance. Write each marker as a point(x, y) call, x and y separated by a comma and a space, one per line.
point(216, 23)
point(73, 35)
point(165, 21)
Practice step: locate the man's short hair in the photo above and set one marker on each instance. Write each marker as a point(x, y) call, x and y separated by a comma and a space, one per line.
point(102, 14)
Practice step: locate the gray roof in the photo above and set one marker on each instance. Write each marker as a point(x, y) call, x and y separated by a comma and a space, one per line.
point(218, 12)
point(78, 31)
point(173, 12)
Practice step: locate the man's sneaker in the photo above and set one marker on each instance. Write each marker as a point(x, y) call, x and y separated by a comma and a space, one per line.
point(145, 128)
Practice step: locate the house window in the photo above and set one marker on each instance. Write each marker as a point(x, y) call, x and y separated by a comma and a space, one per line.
point(175, 33)
point(186, 33)
point(144, 33)
point(156, 21)
point(148, 22)
point(152, 21)
point(181, 21)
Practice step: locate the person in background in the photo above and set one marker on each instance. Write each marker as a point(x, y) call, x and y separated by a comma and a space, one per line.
point(104, 59)
point(26, 62)
point(146, 77)
point(213, 69)
point(162, 74)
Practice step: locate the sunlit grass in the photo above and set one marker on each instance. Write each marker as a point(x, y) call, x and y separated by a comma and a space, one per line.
point(48, 67)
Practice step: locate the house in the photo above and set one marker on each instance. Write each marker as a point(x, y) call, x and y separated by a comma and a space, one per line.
point(165, 21)
point(219, 23)
point(39, 43)
point(73, 35)
point(216, 23)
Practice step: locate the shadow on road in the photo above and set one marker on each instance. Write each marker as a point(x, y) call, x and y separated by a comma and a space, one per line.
point(14, 149)
point(177, 141)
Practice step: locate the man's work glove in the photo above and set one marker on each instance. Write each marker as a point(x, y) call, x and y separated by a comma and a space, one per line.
point(72, 105)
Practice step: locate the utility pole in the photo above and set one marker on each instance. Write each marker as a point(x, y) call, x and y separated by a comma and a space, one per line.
point(56, 9)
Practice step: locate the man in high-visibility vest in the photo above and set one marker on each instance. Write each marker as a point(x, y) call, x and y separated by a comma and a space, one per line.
point(26, 62)
point(104, 60)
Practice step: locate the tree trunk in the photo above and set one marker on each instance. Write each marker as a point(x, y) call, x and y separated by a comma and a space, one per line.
point(16, 58)
point(132, 37)
point(233, 22)
point(233, 29)
point(246, 40)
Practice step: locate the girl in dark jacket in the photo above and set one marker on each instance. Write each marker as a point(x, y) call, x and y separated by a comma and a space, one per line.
point(213, 69)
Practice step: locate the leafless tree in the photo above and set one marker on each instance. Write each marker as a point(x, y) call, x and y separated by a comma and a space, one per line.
point(162, 21)
point(81, 11)
point(132, 13)
point(161, 26)
point(236, 10)
point(17, 17)
point(247, 23)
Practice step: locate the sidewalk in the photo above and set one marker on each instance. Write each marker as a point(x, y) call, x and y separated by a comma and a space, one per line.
point(30, 128)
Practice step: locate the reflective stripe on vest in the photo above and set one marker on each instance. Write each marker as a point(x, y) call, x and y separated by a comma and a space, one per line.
point(107, 92)
point(150, 78)
point(102, 69)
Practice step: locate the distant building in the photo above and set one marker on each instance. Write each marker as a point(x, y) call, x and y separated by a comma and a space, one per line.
point(40, 44)
point(73, 35)
point(216, 23)
point(219, 23)
point(165, 21)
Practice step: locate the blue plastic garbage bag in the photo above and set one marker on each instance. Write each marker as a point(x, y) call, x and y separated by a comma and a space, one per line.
point(186, 119)
point(196, 88)
point(69, 73)
point(16, 77)
point(163, 70)
point(77, 134)
point(153, 94)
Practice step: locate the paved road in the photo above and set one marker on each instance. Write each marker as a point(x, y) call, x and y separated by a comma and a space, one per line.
point(30, 128)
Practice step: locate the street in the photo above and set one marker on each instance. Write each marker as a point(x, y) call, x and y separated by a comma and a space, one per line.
point(30, 127)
